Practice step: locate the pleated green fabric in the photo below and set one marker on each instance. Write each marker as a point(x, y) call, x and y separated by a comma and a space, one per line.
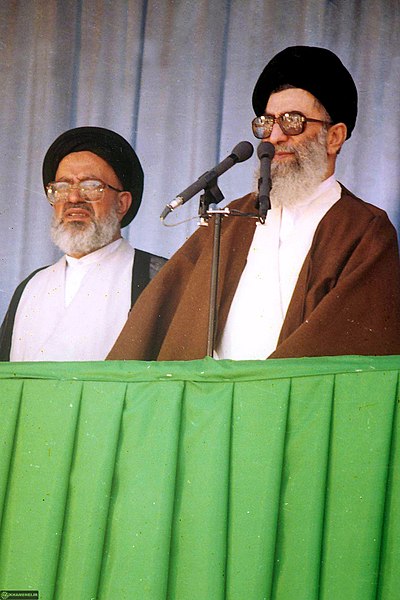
point(203, 480)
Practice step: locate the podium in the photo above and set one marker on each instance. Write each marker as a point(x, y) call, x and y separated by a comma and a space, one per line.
point(201, 480)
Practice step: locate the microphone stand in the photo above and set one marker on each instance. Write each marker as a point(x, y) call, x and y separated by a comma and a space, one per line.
point(207, 209)
point(211, 196)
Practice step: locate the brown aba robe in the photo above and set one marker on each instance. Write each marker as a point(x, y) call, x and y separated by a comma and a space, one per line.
point(346, 299)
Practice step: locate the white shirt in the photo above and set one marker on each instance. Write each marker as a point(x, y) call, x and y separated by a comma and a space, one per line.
point(274, 261)
point(75, 309)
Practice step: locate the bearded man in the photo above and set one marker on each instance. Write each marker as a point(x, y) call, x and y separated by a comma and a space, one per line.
point(320, 277)
point(75, 309)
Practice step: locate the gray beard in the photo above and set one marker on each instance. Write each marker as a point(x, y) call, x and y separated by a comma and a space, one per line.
point(298, 179)
point(80, 238)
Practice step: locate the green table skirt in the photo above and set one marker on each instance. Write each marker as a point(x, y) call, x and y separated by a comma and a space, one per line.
point(201, 480)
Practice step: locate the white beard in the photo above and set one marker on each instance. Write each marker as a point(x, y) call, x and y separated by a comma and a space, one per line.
point(81, 238)
point(301, 175)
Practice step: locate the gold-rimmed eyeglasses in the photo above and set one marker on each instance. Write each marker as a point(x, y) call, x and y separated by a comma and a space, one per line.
point(89, 190)
point(291, 123)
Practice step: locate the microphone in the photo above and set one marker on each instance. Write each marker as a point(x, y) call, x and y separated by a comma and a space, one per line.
point(241, 152)
point(265, 153)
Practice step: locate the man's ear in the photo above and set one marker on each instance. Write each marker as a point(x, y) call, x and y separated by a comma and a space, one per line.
point(337, 134)
point(123, 203)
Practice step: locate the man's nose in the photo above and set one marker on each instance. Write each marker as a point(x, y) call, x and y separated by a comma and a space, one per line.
point(74, 195)
point(277, 135)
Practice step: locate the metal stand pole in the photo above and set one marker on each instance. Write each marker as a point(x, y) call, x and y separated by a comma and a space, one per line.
point(212, 316)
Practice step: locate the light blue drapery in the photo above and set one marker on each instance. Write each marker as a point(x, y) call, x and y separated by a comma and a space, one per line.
point(175, 77)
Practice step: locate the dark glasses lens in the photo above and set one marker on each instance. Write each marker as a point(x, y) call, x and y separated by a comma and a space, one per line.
point(292, 123)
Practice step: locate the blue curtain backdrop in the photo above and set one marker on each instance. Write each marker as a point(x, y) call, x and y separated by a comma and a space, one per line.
point(175, 77)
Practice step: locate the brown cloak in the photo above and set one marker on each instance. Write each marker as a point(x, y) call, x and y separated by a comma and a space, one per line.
point(346, 300)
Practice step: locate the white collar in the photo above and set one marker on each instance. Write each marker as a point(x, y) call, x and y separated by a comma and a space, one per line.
point(291, 215)
point(94, 256)
point(321, 189)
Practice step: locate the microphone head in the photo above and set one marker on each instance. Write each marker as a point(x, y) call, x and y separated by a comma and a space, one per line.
point(242, 151)
point(266, 150)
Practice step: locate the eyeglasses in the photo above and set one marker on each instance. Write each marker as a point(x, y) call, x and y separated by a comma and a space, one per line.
point(89, 190)
point(291, 123)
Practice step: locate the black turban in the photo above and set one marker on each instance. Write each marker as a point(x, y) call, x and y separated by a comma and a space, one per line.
point(316, 70)
point(112, 148)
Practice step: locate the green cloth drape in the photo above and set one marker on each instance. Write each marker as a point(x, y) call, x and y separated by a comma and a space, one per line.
point(202, 480)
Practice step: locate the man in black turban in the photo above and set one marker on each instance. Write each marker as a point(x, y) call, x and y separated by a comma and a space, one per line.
point(75, 309)
point(319, 277)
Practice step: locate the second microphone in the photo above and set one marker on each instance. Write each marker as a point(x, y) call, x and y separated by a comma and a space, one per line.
point(241, 152)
